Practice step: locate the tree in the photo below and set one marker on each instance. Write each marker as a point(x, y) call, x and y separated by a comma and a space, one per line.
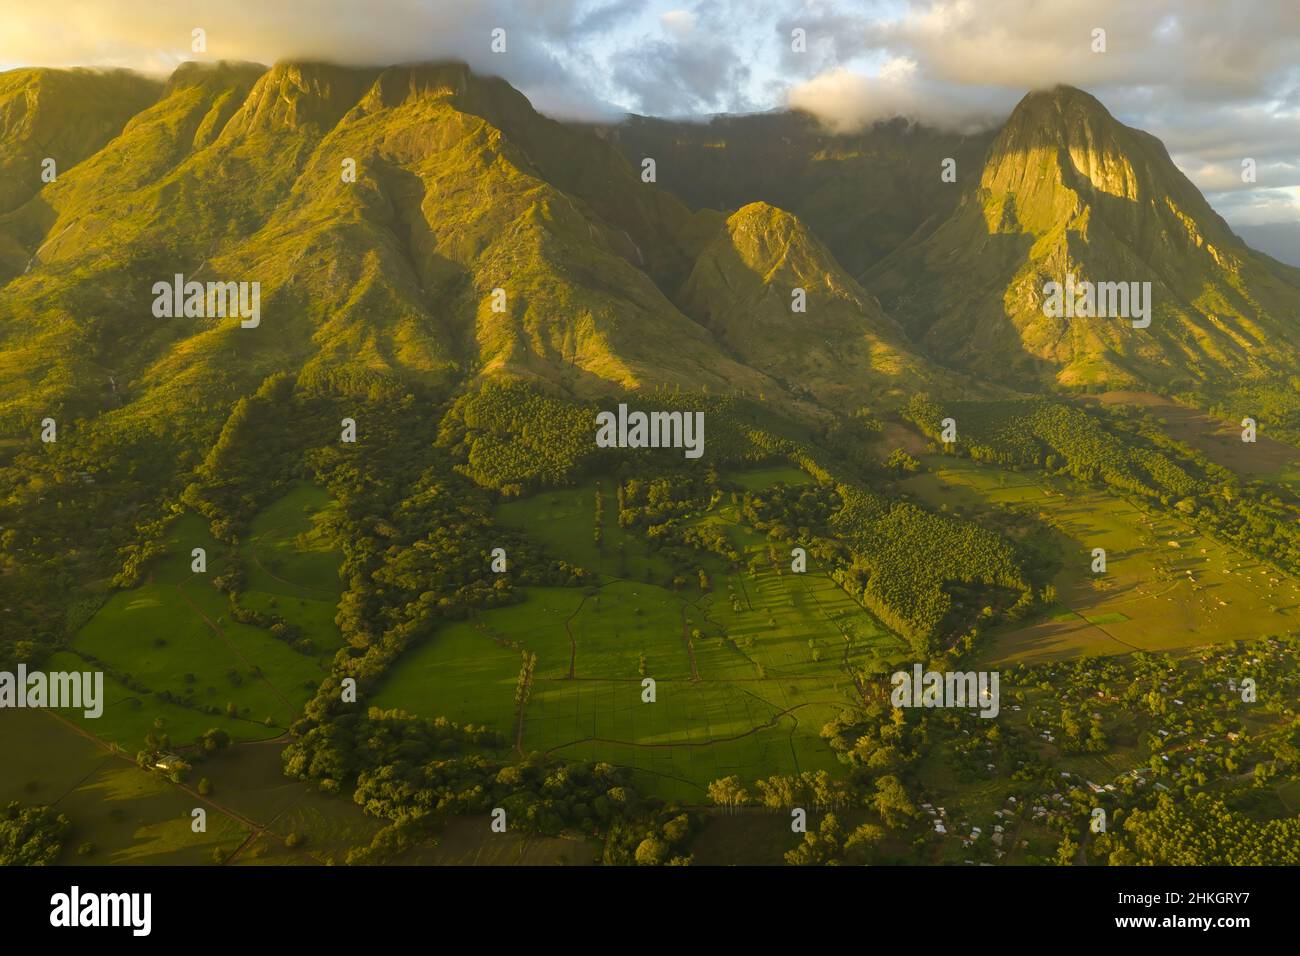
point(728, 792)
point(893, 803)
point(651, 851)
point(214, 739)
point(31, 836)
point(858, 847)
point(1066, 851)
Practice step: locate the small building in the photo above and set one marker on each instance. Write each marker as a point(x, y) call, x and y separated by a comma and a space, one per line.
point(169, 762)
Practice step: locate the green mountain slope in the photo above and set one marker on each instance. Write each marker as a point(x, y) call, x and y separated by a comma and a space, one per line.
point(63, 115)
point(235, 174)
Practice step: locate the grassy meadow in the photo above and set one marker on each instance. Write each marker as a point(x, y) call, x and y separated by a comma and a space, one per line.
point(1166, 584)
point(174, 634)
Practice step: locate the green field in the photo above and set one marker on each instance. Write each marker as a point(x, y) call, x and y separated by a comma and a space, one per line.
point(749, 695)
point(174, 634)
point(291, 567)
point(1166, 584)
point(563, 522)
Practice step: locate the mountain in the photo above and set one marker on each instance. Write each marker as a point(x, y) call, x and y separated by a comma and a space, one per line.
point(840, 347)
point(64, 115)
point(234, 173)
point(480, 240)
point(1067, 190)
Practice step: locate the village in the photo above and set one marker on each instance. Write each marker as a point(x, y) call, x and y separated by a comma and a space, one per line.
point(1088, 741)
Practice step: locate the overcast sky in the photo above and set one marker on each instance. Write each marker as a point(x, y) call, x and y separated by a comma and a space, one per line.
point(1217, 81)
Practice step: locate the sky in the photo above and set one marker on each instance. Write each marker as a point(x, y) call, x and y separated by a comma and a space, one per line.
point(1218, 82)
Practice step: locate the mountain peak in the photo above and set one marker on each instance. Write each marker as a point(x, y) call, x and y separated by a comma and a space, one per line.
point(1062, 159)
point(1061, 96)
point(1067, 189)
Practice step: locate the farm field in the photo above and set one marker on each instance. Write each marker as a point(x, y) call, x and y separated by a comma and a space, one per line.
point(125, 814)
point(563, 520)
point(462, 842)
point(746, 673)
point(1166, 584)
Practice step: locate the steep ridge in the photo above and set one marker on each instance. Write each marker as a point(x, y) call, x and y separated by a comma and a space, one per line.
point(1068, 191)
point(63, 115)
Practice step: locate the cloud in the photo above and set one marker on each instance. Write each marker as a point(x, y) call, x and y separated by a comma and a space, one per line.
point(1216, 84)
point(847, 101)
point(673, 79)
point(679, 23)
point(543, 37)
point(699, 66)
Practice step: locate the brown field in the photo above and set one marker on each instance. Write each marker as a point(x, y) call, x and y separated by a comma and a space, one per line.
point(1220, 441)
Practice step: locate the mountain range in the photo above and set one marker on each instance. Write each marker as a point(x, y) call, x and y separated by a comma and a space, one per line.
point(423, 230)
point(235, 172)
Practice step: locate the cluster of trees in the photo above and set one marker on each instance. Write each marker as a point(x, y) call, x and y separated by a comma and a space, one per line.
point(652, 838)
point(928, 576)
point(906, 562)
point(1275, 404)
point(829, 845)
point(877, 739)
point(333, 754)
point(418, 541)
point(255, 455)
point(515, 439)
point(1054, 436)
point(709, 538)
point(790, 513)
point(1203, 831)
point(648, 503)
point(230, 583)
point(415, 772)
point(67, 511)
point(273, 624)
point(31, 836)
point(808, 789)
